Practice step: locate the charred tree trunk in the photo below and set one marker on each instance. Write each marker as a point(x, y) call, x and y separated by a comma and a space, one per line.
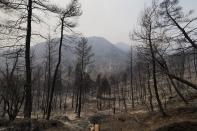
point(150, 92)
point(56, 71)
point(177, 90)
point(28, 84)
point(77, 102)
point(131, 79)
point(154, 74)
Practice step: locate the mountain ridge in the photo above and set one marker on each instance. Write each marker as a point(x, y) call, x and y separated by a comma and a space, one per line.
point(107, 57)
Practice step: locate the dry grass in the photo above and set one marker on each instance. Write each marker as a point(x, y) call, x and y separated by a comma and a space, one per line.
point(178, 114)
point(151, 121)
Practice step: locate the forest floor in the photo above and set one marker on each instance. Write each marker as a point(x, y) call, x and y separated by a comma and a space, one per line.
point(181, 117)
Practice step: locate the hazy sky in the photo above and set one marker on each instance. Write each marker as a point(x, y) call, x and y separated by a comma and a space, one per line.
point(114, 19)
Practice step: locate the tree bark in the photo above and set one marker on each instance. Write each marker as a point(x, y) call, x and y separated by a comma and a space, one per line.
point(28, 83)
point(150, 92)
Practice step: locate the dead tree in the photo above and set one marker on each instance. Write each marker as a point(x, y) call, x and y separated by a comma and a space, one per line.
point(149, 89)
point(123, 90)
point(173, 16)
point(73, 10)
point(11, 83)
point(48, 71)
point(131, 76)
point(164, 67)
point(25, 8)
point(147, 36)
point(84, 54)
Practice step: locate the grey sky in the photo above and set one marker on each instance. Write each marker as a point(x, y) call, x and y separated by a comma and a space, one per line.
point(114, 19)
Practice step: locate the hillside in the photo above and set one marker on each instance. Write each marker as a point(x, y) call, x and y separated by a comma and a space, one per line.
point(123, 46)
point(107, 57)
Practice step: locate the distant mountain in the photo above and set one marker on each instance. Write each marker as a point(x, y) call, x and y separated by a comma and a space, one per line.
point(123, 46)
point(107, 57)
